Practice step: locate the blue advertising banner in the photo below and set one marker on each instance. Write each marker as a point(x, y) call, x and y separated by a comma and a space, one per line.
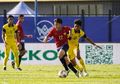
point(95, 27)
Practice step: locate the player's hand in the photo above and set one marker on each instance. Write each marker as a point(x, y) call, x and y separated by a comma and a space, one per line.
point(98, 46)
point(30, 36)
point(44, 41)
point(5, 43)
point(70, 38)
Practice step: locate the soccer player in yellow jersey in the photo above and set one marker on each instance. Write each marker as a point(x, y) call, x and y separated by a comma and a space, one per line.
point(9, 35)
point(74, 35)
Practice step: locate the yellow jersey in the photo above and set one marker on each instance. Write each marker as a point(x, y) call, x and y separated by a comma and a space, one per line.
point(74, 41)
point(10, 32)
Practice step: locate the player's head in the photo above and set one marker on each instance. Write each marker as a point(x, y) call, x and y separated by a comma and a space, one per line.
point(57, 22)
point(21, 18)
point(10, 19)
point(77, 24)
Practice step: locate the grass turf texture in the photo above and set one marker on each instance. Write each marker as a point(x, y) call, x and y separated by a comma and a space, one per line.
point(42, 74)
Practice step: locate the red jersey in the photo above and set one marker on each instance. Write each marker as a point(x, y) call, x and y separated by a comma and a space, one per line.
point(60, 37)
point(20, 30)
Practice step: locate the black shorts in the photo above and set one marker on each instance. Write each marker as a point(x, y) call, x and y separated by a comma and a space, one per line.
point(64, 47)
point(22, 46)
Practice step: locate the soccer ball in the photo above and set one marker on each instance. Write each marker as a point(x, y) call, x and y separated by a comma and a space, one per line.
point(62, 74)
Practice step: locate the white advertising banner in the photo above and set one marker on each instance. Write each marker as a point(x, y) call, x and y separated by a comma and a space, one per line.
point(46, 53)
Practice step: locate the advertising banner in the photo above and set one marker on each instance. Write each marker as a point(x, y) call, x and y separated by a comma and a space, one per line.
point(41, 53)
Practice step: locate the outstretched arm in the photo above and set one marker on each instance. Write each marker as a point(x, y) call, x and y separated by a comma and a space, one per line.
point(3, 35)
point(45, 40)
point(50, 34)
point(69, 35)
point(28, 36)
point(90, 41)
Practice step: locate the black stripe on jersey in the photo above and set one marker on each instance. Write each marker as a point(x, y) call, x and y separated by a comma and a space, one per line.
point(3, 30)
point(84, 36)
point(16, 31)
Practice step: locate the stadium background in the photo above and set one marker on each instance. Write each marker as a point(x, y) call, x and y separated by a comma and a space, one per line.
point(100, 22)
point(104, 13)
point(40, 64)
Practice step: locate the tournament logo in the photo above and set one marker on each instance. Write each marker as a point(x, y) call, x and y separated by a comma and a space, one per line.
point(43, 27)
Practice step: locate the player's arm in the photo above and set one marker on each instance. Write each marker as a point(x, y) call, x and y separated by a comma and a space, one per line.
point(50, 34)
point(69, 35)
point(90, 41)
point(45, 40)
point(3, 35)
point(69, 32)
point(17, 35)
point(28, 36)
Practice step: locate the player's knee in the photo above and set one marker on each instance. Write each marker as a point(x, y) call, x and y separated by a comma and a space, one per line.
point(73, 63)
point(6, 57)
point(22, 52)
point(16, 54)
point(78, 57)
point(61, 54)
point(66, 60)
point(6, 54)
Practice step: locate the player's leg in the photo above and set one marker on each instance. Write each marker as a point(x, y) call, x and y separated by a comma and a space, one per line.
point(78, 67)
point(22, 51)
point(82, 63)
point(71, 66)
point(7, 51)
point(81, 60)
point(73, 60)
point(15, 51)
point(62, 53)
point(72, 56)
point(62, 60)
point(13, 62)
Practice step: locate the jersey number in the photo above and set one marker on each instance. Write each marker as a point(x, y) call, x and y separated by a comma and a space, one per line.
point(60, 37)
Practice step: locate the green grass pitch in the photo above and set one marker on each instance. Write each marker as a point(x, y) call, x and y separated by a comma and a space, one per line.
point(47, 74)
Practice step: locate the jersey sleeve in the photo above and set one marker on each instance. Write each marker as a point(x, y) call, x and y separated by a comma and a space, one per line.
point(18, 28)
point(82, 33)
point(67, 29)
point(15, 28)
point(3, 29)
point(50, 33)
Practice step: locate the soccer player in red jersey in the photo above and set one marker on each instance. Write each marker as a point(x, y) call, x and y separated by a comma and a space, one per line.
point(21, 40)
point(59, 33)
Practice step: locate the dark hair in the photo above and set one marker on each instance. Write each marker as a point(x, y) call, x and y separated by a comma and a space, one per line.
point(10, 16)
point(58, 20)
point(21, 15)
point(78, 22)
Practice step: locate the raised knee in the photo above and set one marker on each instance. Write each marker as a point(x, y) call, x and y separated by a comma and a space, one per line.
point(78, 57)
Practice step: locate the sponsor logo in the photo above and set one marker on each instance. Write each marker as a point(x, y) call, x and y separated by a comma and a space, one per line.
point(43, 28)
point(48, 55)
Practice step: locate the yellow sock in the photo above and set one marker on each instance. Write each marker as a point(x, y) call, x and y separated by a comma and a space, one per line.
point(78, 67)
point(83, 64)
